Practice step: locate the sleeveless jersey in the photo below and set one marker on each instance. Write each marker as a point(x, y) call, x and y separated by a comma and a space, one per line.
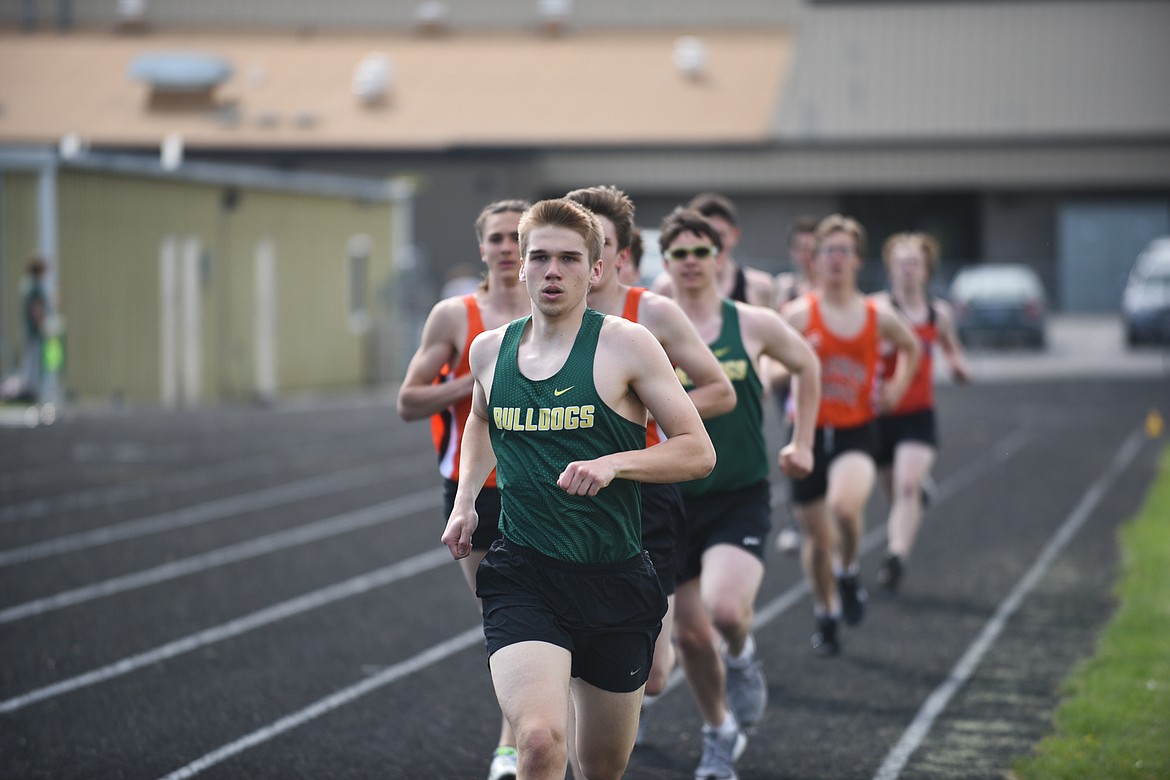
point(848, 368)
point(739, 289)
point(654, 434)
point(738, 436)
point(919, 395)
point(447, 425)
point(538, 427)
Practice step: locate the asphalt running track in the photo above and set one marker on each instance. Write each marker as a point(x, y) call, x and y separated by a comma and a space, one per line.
point(260, 593)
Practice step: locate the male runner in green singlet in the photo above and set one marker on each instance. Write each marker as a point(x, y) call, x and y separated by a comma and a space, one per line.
point(571, 605)
point(728, 513)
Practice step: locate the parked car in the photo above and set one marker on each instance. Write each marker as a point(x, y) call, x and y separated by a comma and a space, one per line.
point(1000, 303)
point(1145, 303)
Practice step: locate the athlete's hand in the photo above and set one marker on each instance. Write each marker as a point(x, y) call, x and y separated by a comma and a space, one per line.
point(585, 477)
point(457, 536)
point(795, 461)
point(888, 397)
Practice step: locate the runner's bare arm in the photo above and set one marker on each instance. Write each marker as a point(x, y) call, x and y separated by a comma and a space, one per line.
point(631, 359)
point(892, 327)
point(477, 459)
point(442, 338)
point(948, 340)
point(782, 343)
point(712, 394)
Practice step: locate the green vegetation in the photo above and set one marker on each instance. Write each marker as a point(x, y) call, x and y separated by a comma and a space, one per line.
point(1115, 720)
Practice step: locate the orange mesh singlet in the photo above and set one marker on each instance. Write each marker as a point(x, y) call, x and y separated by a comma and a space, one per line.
point(447, 425)
point(919, 395)
point(630, 312)
point(848, 368)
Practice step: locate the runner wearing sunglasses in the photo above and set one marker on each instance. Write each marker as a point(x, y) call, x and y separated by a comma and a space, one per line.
point(739, 283)
point(729, 512)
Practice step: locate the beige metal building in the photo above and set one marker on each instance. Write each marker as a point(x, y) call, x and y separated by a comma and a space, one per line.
point(207, 282)
point(1035, 131)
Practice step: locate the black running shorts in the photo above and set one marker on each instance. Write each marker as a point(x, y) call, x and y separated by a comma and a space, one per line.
point(487, 507)
point(741, 517)
point(831, 443)
point(607, 616)
point(663, 530)
point(894, 429)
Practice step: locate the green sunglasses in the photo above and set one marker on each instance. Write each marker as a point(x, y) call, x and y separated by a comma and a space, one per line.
point(700, 252)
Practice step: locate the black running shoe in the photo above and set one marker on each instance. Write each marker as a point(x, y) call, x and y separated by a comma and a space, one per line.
point(824, 641)
point(853, 598)
point(889, 576)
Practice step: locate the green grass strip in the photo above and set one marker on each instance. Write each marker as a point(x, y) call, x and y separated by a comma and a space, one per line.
point(1114, 721)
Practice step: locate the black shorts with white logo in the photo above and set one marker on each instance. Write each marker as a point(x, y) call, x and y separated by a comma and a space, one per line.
point(607, 616)
point(487, 507)
point(741, 517)
point(831, 443)
point(894, 429)
point(663, 530)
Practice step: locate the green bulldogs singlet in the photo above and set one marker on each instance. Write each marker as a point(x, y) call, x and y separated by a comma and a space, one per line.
point(738, 436)
point(537, 428)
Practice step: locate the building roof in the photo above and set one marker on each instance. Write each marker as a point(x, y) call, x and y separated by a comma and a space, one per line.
point(823, 74)
point(490, 89)
point(1046, 71)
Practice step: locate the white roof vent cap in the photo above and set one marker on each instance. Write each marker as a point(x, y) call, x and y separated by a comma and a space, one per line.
point(690, 56)
point(373, 77)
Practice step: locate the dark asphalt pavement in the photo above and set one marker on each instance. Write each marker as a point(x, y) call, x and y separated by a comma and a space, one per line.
point(260, 592)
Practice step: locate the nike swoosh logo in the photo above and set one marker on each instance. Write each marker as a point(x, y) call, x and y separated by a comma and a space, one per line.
point(562, 392)
point(635, 671)
point(722, 351)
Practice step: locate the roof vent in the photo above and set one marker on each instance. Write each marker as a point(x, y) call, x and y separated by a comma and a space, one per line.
point(372, 78)
point(431, 17)
point(553, 15)
point(690, 56)
point(180, 80)
point(131, 16)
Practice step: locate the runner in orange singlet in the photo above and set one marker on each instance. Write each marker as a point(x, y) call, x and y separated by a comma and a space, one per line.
point(907, 438)
point(438, 384)
point(844, 327)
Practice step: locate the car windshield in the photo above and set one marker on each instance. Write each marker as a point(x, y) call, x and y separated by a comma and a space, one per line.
point(1009, 283)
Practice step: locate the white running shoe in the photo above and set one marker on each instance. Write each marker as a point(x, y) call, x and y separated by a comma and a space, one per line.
point(788, 540)
point(747, 691)
point(720, 754)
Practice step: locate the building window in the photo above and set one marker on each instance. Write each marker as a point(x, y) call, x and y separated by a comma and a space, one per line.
point(358, 283)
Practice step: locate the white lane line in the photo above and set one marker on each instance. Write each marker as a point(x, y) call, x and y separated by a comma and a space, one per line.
point(997, 454)
point(191, 479)
point(218, 509)
point(253, 466)
point(318, 598)
point(934, 705)
point(1000, 452)
point(262, 545)
point(416, 663)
